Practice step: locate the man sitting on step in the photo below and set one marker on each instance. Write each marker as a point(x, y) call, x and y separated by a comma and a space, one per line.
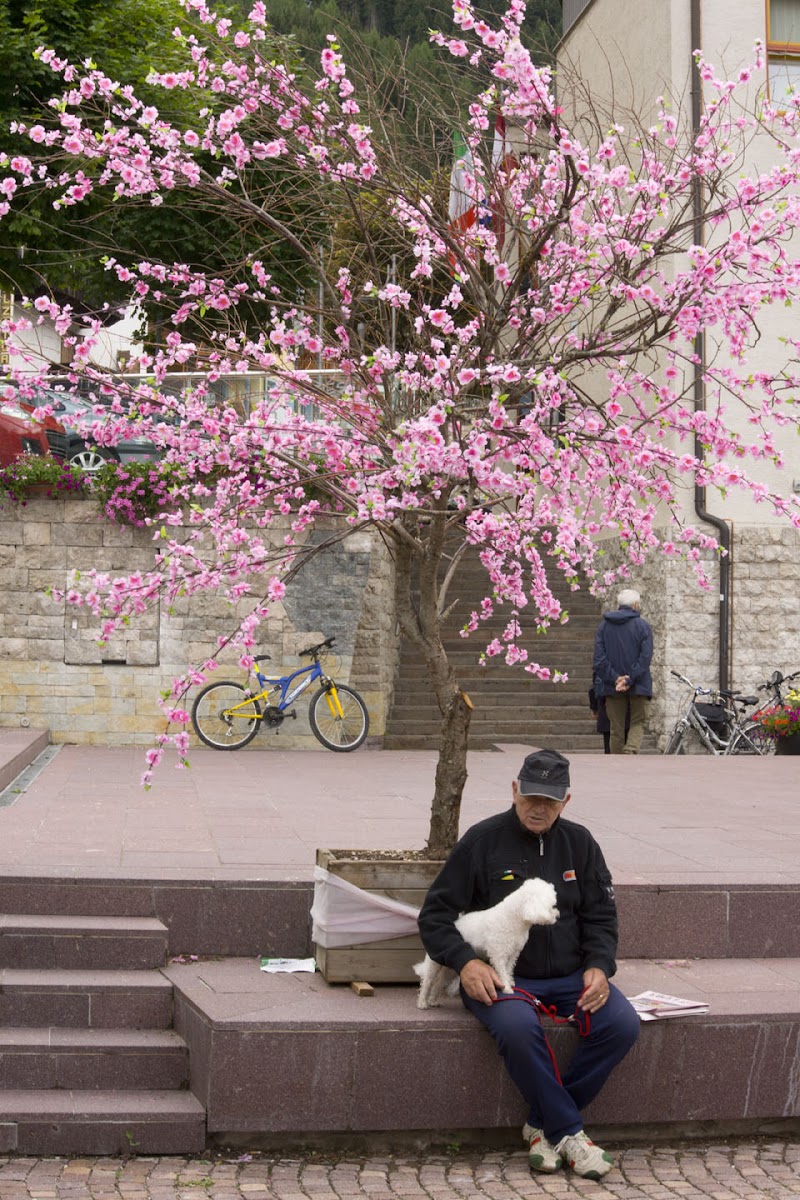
point(564, 967)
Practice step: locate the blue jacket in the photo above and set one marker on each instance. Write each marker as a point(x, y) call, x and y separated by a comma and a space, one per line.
point(623, 646)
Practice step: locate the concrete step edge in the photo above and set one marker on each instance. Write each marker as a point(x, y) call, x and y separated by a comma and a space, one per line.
point(67, 926)
point(55, 1039)
point(18, 749)
point(20, 1105)
point(49, 979)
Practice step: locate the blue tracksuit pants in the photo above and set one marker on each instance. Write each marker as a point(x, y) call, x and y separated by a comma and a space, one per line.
point(514, 1024)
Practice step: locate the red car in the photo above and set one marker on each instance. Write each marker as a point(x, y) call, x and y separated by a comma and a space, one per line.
point(20, 433)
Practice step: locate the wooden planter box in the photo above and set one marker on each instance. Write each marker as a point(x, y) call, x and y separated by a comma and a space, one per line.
point(390, 961)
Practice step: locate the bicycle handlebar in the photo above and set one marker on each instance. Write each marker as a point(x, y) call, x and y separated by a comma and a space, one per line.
point(313, 650)
point(776, 682)
point(696, 688)
point(774, 685)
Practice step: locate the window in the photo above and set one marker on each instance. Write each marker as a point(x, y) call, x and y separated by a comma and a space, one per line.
point(783, 47)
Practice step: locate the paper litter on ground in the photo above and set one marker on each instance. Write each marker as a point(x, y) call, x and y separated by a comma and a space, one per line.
point(288, 965)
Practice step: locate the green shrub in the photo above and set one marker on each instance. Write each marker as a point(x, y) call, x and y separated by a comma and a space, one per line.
point(29, 470)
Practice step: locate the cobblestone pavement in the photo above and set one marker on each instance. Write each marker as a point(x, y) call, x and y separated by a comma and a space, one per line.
point(716, 1171)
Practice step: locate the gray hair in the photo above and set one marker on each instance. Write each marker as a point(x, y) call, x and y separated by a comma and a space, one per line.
point(629, 598)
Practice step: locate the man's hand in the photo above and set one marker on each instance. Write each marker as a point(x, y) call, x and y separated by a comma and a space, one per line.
point(596, 990)
point(623, 683)
point(480, 981)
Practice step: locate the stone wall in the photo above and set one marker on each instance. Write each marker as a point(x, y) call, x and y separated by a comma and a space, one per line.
point(54, 673)
point(765, 617)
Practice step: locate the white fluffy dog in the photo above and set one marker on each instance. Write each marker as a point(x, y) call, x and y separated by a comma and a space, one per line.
point(497, 933)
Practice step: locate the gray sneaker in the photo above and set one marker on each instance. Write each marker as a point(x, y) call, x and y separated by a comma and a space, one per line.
point(583, 1156)
point(541, 1155)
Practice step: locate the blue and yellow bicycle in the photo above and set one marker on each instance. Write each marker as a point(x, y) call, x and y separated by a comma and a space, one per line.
point(228, 715)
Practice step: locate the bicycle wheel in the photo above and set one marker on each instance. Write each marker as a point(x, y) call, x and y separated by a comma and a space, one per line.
point(675, 743)
point(750, 739)
point(225, 717)
point(339, 733)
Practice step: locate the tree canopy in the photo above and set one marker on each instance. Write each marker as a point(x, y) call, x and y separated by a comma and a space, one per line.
point(47, 250)
point(523, 381)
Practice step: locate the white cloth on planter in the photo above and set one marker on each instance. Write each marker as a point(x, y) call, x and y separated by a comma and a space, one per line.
point(346, 915)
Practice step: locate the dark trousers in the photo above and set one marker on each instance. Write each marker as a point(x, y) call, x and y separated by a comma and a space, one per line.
point(552, 1106)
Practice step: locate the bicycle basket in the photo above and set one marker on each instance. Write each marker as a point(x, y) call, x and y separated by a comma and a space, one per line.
point(715, 715)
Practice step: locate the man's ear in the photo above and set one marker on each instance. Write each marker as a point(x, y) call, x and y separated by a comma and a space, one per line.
point(514, 789)
point(566, 801)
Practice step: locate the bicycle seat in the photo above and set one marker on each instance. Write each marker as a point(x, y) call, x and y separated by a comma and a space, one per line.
point(738, 697)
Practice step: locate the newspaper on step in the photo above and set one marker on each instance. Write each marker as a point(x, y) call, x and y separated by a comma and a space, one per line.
point(655, 1006)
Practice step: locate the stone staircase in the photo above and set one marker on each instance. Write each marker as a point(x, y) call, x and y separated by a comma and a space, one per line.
point(100, 1042)
point(510, 705)
point(361, 1066)
point(89, 1061)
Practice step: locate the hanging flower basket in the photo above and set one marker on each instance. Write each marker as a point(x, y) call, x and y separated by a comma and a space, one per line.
point(782, 722)
point(790, 744)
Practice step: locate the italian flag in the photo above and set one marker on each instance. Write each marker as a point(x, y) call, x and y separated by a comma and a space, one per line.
point(462, 211)
point(503, 161)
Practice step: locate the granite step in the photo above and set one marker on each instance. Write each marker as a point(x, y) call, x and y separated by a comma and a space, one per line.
point(18, 749)
point(566, 648)
point(736, 1063)
point(588, 743)
point(100, 1122)
point(87, 999)
point(467, 654)
point(497, 693)
point(82, 942)
point(500, 722)
point(92, 1059)
point(203, 915)
point(703, 918)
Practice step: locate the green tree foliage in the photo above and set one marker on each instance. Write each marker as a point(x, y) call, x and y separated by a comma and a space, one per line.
point(40, 248)
point(407, 21)
point(386, 45)
point(385, 41)
point(43, 250)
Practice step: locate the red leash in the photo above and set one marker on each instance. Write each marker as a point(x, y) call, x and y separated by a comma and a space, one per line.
point(582, 1019)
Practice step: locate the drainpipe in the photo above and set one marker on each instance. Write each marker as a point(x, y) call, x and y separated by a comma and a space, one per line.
point(721, 526)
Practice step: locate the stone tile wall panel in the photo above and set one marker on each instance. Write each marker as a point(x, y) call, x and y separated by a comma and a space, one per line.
point(53, 672)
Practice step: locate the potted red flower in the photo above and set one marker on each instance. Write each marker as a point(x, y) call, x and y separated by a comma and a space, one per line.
point(782, 722)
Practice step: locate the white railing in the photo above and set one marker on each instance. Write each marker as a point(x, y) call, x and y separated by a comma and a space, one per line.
point(243, 391)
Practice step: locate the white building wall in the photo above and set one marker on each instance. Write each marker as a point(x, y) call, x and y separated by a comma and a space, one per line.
point(628, 55)
point(40, 347)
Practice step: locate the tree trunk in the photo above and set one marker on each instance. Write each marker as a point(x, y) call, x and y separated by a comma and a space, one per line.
point(451, 775)
point(422, 623)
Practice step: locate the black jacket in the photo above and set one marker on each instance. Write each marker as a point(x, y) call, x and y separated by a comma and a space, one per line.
point(491, 860)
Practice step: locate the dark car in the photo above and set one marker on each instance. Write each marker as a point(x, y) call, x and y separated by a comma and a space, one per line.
point(76, 416)
point(19, 432)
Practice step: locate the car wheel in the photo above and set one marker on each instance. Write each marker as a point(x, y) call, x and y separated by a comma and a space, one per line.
point(90, 458)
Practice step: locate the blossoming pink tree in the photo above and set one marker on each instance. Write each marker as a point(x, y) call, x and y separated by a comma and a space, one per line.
point(520, 382)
